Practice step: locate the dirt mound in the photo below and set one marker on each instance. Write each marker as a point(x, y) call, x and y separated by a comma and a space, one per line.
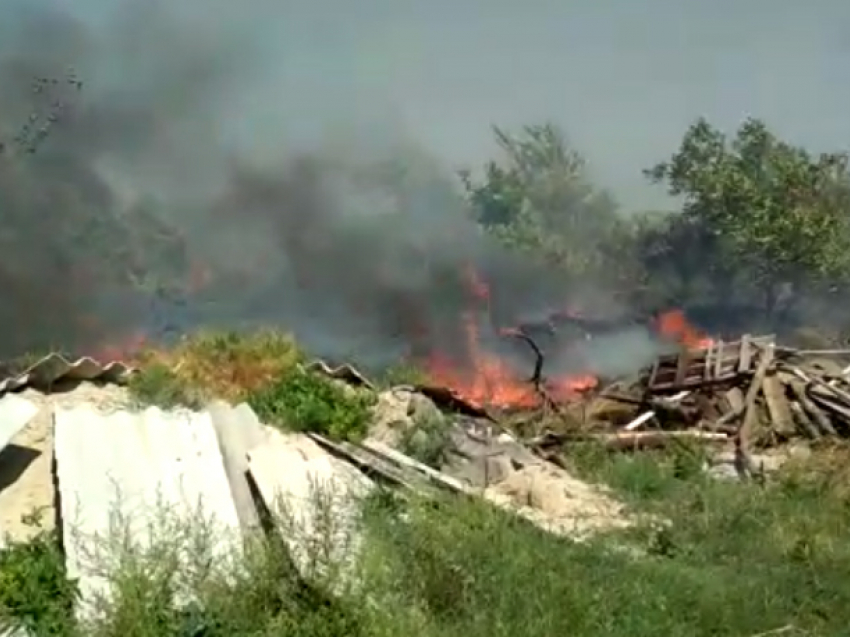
point(553, 499)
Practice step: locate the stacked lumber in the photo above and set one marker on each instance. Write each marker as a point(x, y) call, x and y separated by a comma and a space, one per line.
point(751, 391)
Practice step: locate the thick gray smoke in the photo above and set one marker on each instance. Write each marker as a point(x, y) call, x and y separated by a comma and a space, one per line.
point(126, 202)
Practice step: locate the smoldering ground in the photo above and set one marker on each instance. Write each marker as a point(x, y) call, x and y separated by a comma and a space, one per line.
point(130, 187)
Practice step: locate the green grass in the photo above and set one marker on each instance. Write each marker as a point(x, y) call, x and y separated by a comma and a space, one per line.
point(731, 559)
point(33, 585)
point(225, 365)
point(402, 373)
point(305, 401)
point(428, 440)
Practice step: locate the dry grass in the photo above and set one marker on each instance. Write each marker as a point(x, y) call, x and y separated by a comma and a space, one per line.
point(828, 468)
point(225, 365)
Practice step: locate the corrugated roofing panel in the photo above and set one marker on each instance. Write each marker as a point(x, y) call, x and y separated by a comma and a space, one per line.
point(54, 368)
point(238, 430)
point(141, 476)
point(15, 413)
point(315, 498)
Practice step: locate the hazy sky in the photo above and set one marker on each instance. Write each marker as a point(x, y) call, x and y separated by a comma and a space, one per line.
point(623, 78)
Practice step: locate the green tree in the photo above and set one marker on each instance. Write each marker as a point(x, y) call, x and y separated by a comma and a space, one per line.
point(539, 199)
point(760, 207)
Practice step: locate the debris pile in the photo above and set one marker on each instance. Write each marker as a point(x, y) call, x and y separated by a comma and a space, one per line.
point(750, 392)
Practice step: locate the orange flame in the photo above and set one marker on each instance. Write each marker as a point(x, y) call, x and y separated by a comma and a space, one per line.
point(673, 325)
point(126, 350)
point(483, 378)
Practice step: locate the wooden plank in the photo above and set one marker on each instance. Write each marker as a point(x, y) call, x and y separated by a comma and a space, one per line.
point(804, 423)
point(735, 399)
point(817, 416)
point(369, 463)
point(707, 366)
point(141, 478)
point(750, 414)
point(782, 420)
point(718, 359)
point(435, 476)
point(744, 354)
point(681, 368)
point(653, 376)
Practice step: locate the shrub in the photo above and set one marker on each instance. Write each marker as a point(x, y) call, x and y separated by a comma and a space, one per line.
point(304, 401)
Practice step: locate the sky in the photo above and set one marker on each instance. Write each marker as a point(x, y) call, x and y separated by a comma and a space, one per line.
point(622, 79)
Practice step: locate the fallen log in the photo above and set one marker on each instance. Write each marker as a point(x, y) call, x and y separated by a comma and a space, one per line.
point(781, 417)
point(818, 418)
point(750, 414)
point(804, 423)
point(633, 440)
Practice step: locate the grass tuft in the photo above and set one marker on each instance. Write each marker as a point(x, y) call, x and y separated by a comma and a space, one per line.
point(403, 373)
point(305, 401)
point(35, 594)
point(225, 365)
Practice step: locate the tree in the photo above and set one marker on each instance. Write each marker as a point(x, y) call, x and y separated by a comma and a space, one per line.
point(761, 207)
point(538, 199)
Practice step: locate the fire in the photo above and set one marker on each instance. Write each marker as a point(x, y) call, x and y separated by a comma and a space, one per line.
point(486, 379)
point(483, 378)
point(126, 351)
point(673, 325)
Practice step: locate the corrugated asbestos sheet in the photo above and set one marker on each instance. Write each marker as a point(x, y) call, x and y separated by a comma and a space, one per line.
point(15, 413)
point(239, 431)
point(314, 497)
point(138, 478)
point(55, 368)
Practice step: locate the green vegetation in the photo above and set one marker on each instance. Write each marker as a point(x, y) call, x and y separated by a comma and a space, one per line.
point(34, 588)
point(427, 441)
point(305, 401)
point(760, 219)
point(402, 373)
point(262, 369)
point(714, 558)
point(209, 365)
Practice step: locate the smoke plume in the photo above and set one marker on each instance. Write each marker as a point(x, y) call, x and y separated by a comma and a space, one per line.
point(128, 201)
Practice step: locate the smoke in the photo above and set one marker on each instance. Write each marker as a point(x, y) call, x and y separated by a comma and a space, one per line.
point(135, 182)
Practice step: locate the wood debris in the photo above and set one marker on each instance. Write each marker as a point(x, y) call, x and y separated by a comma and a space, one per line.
point(751, 391)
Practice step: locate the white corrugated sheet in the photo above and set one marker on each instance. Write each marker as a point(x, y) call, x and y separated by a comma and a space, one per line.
point(139, 477)
point(54, 368)
point(15, 413)
point(239, 431)
point(315, 498)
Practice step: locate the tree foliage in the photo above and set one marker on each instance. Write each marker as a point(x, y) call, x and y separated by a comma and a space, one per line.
point(759, 207)
point(762, 221)
point(539, 199)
